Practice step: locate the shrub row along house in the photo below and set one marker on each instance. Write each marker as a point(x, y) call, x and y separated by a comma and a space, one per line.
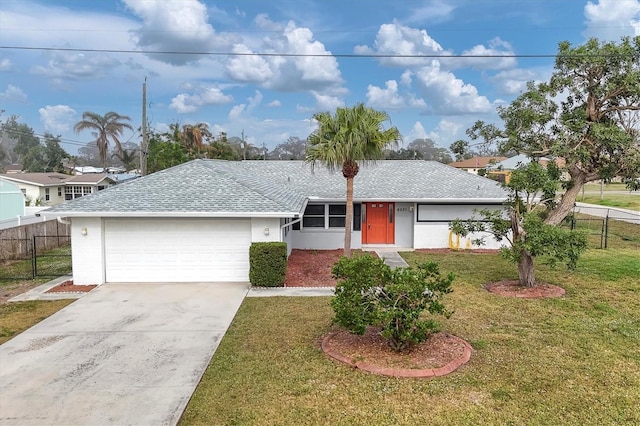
point(196, 221)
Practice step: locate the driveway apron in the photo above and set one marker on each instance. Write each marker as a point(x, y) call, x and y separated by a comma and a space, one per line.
point(125, 354)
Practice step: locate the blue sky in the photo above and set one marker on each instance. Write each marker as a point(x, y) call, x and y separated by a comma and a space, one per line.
point(273, 97)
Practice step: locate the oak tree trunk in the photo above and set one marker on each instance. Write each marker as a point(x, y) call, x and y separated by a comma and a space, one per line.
point(568, 199)
point(526, 272)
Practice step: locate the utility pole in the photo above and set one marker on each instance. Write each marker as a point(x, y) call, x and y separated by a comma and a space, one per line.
point(144, 147)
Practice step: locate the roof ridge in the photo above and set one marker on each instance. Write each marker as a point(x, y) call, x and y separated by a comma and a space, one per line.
point(241, 180)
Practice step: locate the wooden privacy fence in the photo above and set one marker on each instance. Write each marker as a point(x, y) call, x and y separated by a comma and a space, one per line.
point(17, 242)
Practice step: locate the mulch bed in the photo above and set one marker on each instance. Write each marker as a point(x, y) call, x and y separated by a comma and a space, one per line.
point(438, 356)
point(511, 288)
point(311, 268)
point(69, 287)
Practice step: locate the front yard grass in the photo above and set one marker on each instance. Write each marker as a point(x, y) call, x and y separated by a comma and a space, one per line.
point(629, 201)
point(19, 316)
point(570, 360)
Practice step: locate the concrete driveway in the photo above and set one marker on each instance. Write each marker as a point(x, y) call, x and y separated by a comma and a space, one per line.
point(125, 354)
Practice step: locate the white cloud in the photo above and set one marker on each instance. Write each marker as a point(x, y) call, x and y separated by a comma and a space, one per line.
point(397, 39)
point(390, 98)
point(250, 68)
point(240, 110)
point(314, 69)
point(432, 11)
point(236, 112)
point(387, 98)
point(447, 131)
point(185, 103)
point(324, 102)
point(265, 24)
point(274, 104)
point(448, 94)
point(174, 26)
point(57, 118)
point(512, 82)
point(612, 19)
point(76, 66)
point(13, 94)
point(417, 132)
point(485, 57)
point(5, 64)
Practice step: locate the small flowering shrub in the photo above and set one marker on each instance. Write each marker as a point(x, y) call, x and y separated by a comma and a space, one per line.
point(370, 293)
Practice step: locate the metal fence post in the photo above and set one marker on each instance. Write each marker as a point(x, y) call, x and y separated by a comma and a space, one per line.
point(606, 230)
point(34, 254)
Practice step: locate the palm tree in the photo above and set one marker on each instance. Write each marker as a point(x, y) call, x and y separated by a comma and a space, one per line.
point(128, 158)
point(192, 136)
point(351, 136)
point(110, 126)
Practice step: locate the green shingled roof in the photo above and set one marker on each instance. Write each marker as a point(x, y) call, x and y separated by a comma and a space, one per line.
point(255, 188)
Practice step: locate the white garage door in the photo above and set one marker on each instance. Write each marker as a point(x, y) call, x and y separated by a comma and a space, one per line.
point(177, 250)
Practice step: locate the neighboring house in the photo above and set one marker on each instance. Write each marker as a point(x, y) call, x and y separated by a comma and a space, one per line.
point(50, 189)
point(475, 164)
point(11, 200)
point(12, 168)
point(195, 222)
point(85, 170)
point(501, 171)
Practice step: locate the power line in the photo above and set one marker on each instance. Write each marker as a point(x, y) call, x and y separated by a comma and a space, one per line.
point(314, 55)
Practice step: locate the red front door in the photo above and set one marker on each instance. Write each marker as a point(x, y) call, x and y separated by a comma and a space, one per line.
point(379, 223)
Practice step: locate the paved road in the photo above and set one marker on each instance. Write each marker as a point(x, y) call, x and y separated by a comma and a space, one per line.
point(625, 215)
point(125, 354)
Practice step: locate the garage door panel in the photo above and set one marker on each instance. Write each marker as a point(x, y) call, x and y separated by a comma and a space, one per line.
point(188, 250)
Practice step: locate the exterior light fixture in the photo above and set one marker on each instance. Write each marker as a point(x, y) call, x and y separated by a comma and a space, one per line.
point(266, 231)
point(83, 231)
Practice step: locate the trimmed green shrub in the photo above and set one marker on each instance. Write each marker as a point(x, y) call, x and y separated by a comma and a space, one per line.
point(267, 264)
point(370, 293)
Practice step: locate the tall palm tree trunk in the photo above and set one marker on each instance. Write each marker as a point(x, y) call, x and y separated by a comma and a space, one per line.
point(348, 220)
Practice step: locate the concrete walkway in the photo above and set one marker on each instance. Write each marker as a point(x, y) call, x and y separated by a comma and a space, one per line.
point(125, 354)
point(392, 258)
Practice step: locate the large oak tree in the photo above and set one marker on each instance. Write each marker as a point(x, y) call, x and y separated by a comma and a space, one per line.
point(586, 115)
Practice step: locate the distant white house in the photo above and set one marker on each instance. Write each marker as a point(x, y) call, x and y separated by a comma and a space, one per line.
point(50, 189)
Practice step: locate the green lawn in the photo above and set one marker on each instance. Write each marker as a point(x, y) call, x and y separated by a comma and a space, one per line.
point(53, 263)
point(629, 201)
point(571, 360)
point(595, 187)
point(17, 317)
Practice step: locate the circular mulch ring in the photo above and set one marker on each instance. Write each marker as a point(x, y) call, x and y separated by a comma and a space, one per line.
point(511, 288)
point(69, 287)
point(442, 354)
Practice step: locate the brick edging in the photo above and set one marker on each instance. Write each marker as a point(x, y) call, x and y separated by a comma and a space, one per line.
point(401, 372)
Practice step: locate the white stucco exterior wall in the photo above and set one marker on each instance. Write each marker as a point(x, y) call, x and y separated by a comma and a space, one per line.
point(87, 251)
point(324, 239)
point(438, 235)
point(259, 227)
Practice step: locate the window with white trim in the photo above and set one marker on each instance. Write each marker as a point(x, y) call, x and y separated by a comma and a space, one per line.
point(328, 216)
point(47, 194)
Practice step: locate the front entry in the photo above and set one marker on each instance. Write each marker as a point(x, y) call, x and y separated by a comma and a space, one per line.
point(378, 223)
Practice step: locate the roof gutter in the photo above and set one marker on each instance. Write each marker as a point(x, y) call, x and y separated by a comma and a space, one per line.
point(148, 214)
